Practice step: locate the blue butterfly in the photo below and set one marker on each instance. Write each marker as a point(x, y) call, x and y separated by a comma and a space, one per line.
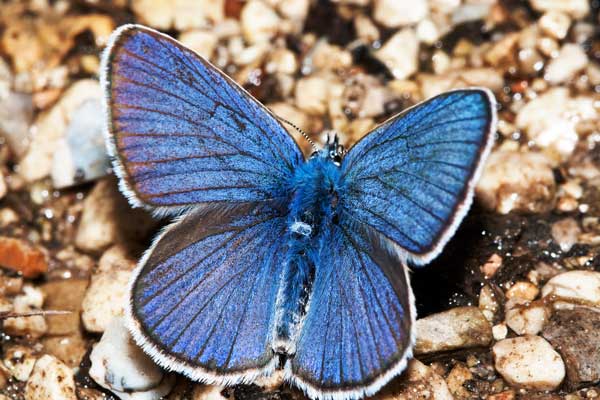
point(275, 261)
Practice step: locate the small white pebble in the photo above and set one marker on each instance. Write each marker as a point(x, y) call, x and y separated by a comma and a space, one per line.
point(529, 362)
point(578, 287)
point(555, 24)
point(570, 60)
point(499, 331)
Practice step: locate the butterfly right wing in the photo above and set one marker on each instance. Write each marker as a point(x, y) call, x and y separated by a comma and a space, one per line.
point(412, 178)
point(359, 328)
point(203, 297)
point(184, 133)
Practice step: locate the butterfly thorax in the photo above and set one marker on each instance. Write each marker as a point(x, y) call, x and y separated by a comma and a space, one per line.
point(312, 210)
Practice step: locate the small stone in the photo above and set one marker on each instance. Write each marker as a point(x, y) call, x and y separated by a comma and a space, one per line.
point(456, 379)
point(107, 218)
point(417, 382)
point(3, 187)
point(366, 29)
point(505, 395)
point(550, 121)
point(282, 61)
point(432, 85)
point(570, 60)
point(295, 10)
point(19, 360)
point(457, 328)
point(514, 181)
point(33, 326)
point(121, 366)
point(202, 42)
point(529, 362)
point(312, 94)
point(81, 155)
point(20, 256)
point(576, 335)
point(16, 115)
point(8, 216)
point(327, 57)
point(400, 53)
point(10, 286)
point(502, 50)
point(50, 379)
point(444, 6)
point(470, 12)
point(64, 295)
point(575, 8)
point(69, 349)
point(555, 24)
point(488, 303)
point(394, 14)
point(52, 125)
point(491, 266)
point(522, 290)
point(577, 287)
point(499, 331)
point(428, 32)
point(178, 14)
point(107, 294)
point(440, 62)
point(260, 23)
point(526, 319)
point(566, 233)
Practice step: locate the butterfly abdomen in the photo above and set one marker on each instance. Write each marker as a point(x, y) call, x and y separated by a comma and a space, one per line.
point(312, 210)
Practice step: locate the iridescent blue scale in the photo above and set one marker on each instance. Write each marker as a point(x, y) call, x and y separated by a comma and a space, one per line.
point(274, 261)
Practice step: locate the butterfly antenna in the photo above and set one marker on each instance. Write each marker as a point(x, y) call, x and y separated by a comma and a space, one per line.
point(304, 134)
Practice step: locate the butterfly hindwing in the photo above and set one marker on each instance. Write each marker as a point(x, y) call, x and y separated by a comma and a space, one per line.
point(184, 133)
point(204, 297)
point(412, 178)
point(357, 333)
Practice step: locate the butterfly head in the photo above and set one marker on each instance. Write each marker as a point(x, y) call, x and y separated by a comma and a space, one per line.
point(332, 151)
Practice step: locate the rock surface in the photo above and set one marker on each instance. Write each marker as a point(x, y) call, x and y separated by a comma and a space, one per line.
point(529, 362)
point(179, 14)
point(456, 328)
point(51, 127)
point(20, 256)
point(577, 287)
point(80, 156)
point(418, 382)
point(119, 365)
point(393, 14)
point(400, 53)
point(576, 336)
point(50, 379)
point(103, 210)
point(513, 181)
point(107, 294)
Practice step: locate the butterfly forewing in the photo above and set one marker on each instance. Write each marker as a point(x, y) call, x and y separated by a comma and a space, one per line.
point(412, 178)
point(182, 132)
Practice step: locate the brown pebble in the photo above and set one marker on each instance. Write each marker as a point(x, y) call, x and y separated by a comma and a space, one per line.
point(18, 255)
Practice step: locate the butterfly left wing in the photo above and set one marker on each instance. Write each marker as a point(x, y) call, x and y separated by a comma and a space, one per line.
point(412, 178)
point(184, 133)
point(358, 331)
point(203, 297)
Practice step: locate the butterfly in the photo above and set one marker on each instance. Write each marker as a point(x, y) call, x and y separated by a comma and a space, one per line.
point(275, 261)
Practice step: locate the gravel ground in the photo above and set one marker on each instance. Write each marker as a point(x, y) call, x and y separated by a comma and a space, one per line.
point(510, 310)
